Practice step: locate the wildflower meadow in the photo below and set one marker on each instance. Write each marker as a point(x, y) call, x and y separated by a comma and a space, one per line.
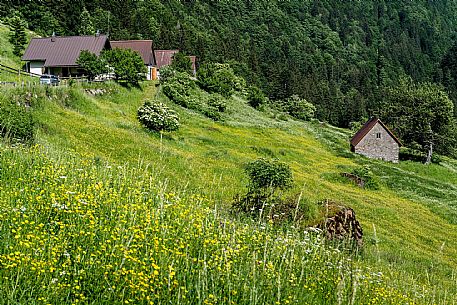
point(77, 231)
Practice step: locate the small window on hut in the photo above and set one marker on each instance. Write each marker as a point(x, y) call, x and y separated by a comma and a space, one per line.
point(378, 135)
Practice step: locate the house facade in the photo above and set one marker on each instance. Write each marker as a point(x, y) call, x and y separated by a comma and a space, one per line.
point(374, 140)
point(146, 50)
point(57, 55)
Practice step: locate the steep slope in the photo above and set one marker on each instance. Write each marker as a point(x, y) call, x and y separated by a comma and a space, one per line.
point(7, 58)
point(331, 52)
point(409, 224)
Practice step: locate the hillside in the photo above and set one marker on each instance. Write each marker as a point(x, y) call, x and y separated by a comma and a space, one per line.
point(8, 59)
point(336, 54)
point(409, 223)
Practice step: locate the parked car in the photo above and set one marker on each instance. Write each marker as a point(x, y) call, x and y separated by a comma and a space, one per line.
point(47, 79)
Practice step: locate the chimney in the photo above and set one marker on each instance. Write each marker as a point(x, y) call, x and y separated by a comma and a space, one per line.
point(97, 34)
point(53, 37)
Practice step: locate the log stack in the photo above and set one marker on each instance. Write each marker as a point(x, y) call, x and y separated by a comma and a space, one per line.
point(341, 223)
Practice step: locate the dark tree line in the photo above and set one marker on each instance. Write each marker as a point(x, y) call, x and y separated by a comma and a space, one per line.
point(339, 55)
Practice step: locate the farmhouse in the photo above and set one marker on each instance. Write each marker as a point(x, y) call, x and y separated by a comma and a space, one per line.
point(57, 55)
point(375, 140)
point(165, 57)
point(146, 50)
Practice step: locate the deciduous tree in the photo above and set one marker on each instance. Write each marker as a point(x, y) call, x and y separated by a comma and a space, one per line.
point(127, 65)
point(421, 113)
point(92, 64)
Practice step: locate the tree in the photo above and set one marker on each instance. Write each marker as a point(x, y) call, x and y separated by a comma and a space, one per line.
point(92, 64)
point(17, 36)
point(255, 96)
point(156, 116)
point(127, 65)
point(299, 108)
point(85, 24)
point(421, 114)
point(218, 78)
point(266, 178)
point(181, 63)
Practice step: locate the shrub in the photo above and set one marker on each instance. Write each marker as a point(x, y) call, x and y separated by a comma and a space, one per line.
point(166, 73)
point(181, 63)
point(16, 121)
point(356, 125)
point(158, 117)
point(266, 177)
point(217, 102)
point(219, 78)
point(255, 97)
point(365, 173)
point(181, 89)
point(299, 108)
point(268, 174)
point(212, 113)
point(411, 154)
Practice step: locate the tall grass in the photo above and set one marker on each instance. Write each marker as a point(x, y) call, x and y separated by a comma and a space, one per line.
point(74, 230)
point(414, 248)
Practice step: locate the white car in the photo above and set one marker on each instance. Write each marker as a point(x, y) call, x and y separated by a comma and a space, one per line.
point(47, 79)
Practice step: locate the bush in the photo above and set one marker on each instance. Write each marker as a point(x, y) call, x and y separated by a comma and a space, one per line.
point(357, 125)
point(212, 113)
point(365, 173)
point(415, 155)
point(177, 86)
point(299, 108)
point(219, 78)
point(166, 73)
point(127, 65)
point(217, 102)
point(256, 97)
point(158, 117)
point(266, 177)
point(16, 121)
point(268, 174)
point(181, 89)
point(182, 63)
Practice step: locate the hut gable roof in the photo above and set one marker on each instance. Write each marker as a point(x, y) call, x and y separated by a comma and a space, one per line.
point(143, 47)
point(164, 57)
point(63, 51)
point(366, 129)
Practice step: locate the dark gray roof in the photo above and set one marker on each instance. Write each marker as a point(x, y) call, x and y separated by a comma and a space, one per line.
point(143, 47)
point(63, 51)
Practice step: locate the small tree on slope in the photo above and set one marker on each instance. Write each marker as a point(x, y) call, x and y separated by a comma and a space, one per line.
point(17, 36)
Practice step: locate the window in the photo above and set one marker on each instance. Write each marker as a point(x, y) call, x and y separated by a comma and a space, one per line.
point(378, 135)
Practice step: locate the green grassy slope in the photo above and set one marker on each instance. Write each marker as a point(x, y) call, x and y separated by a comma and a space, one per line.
point(94, 149)
point(409, 224)
point(7, 57)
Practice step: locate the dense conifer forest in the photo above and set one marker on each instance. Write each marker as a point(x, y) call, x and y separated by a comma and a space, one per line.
point(339, 55)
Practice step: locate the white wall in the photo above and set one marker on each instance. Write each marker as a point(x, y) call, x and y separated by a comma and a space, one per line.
point(36, 67)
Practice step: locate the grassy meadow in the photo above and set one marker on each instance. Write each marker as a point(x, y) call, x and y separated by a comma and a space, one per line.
point(102, 211)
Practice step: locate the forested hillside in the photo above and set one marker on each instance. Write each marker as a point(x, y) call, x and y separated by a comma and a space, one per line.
point(336, 54)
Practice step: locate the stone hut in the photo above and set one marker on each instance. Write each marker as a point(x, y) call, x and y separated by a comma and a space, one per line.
point(374, 140)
